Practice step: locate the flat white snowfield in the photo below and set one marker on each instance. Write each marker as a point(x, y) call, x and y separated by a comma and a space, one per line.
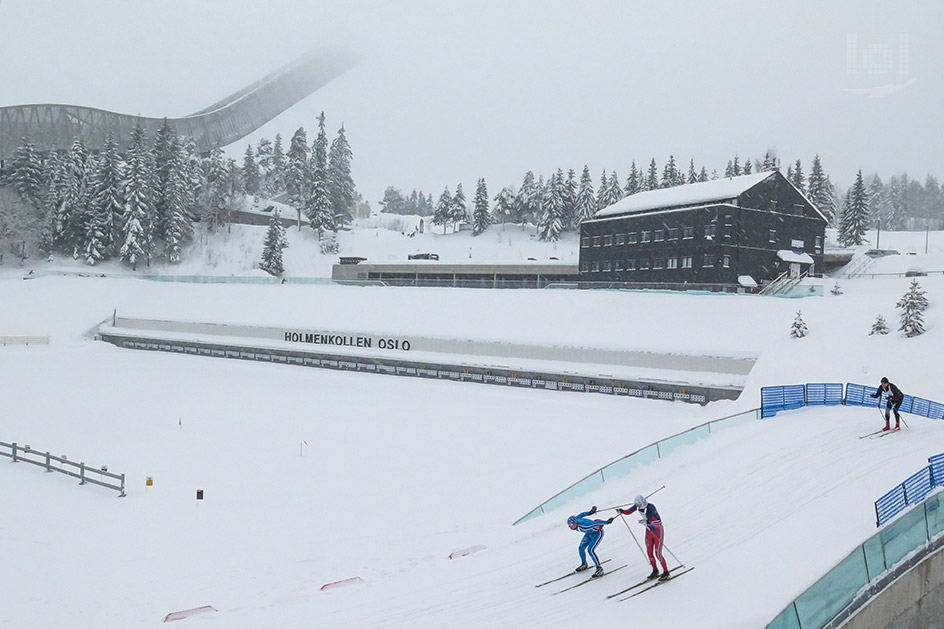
point(312, 476)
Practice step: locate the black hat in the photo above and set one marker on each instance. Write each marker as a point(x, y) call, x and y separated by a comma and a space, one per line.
point(884, 380)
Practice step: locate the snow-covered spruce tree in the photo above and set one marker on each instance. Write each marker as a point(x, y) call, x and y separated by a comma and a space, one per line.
point(614, 192)
point(278, 166)
point(570, 198)
point(139, 196)
point(504, 206)
point(670, 173)
point(632, 181)
point(586, 205)
point(480, 215)
point(250, 173)
point(341, 188)
point(329, 244)
point(602, 195)
point(296, 169)
point(213, 197)
point(551, 225)
point(652, 177)
point(820, 191)
point(460, 212)
point(880, 326)
point(747, 167)
point(855, 215)
point(527, 202)
point(317, 202)
point(798, 179)
point(912, 306)
point(106, 199)
point(836, 290)
point(897, 203)
point(275, 241)
point(178, 226)
point(799, 329)
point(71, 219)
point(692, 176)
point(26, 172)
point(263, 161)
point(443, 213)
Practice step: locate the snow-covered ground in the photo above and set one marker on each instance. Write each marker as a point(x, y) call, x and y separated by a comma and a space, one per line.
point(312, 476)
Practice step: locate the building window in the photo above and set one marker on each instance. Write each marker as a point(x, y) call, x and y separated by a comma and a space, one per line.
point(621, 239)
point(686, 262)
point(710, 230)
point(773, 235)
point(584, 242)
point(671, 263)
point(819, 243)
point(644, 237)
point(688, 232)
point(594, 266)
point(644, 264)
point(728, 230)
point(708, 260)
point(607, 240)
point(631, 238)
point(658, 263)
point(618, 265)
point(658, 235)
point(584, 266)
point(726, 262)
point(673, 233)
point(630, 265)
point(596, 241)
point(607, 265)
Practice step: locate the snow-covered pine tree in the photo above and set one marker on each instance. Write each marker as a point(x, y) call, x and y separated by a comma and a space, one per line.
point(296, 169)
point(26, 172)
point(799, 329)
point(460, 213)
point(652, 178)
point(614, 192)
point(570, 198)
point(480, 214)
point(551, 224)
point(669, 173)
point(835, 289)
point(820, 191)
point(214, 190)
point(897, 207)
point(586, 204)
point(770, 161)
point(703, 174)
point(797, 178)
point(880, 326)
point(912, 306)
point(329, 244)
point(602, 191)
point(692, 175)
point(272, 247)
point(878, 202)
point(855, 215)
point(251, 175)
point(72, 217)
point(341, 188)
point(504, 206)
point(317, 202)
point(164, 147)
point(264, 165)
point(177, 204)
point(443, 213)
point(729, 169)
point(139, 197)
point(525, 207)
point(278, 166)
point(632, 181)
point(106, 204)
point(747, 167)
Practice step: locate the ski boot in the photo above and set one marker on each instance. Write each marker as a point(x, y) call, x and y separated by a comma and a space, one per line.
point(654, 574)
point(886, 427)
point(664, 576)
point(598, 573)
point(581, 567)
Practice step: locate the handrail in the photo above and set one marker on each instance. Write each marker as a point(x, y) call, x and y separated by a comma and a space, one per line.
point(21, 454)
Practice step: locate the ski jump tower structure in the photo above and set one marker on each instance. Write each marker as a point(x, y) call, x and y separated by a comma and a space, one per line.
point(55, 127)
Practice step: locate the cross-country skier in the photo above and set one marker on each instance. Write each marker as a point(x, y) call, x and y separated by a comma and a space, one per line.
point(895, 398)
point(592, 535)
point(655, 534)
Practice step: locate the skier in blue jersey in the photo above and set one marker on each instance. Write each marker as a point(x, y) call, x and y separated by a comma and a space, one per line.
point(592, 535)
point(655, 534)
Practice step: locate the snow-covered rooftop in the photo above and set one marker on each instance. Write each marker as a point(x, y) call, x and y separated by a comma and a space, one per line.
point(689, 194)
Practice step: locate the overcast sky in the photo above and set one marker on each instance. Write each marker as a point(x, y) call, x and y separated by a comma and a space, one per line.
point(449, 91)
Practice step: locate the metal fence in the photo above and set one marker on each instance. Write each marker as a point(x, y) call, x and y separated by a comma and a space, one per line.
point(25, 454)
point(913, 490)
point(24, 340)
point(624, 466)
point(869, 569)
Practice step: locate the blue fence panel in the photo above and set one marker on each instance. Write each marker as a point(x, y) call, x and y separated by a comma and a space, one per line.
point(859, 395)
point(907, 404)
point(918, 486)
point(829, 393)
point(889, 505)
point(936, 410)
point(787, 397)
point(919, 406)
point(937, 470)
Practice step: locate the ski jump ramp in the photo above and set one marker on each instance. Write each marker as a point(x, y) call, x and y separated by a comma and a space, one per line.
point(55, 127)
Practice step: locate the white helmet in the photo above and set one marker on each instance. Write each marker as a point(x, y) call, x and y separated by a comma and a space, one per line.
point(640, 503)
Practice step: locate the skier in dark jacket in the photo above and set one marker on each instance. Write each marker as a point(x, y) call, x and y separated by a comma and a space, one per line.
point(895, 398)
point(592, 535)
point(655, 534)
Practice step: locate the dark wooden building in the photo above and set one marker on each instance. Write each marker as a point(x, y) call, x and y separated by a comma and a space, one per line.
point(737, 230)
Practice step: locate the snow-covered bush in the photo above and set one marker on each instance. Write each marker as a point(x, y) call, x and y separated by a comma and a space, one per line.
point(912, 305)
point(879, 327)
point(799, 329)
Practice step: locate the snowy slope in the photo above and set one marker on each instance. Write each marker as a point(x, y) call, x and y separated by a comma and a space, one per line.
point(398, 473)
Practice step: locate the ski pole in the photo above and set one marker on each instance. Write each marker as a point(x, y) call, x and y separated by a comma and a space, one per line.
point(656, 491)
point(673, 555)
point(623, 518)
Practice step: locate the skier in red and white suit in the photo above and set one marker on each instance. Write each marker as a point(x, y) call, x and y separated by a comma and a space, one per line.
point(655, 534)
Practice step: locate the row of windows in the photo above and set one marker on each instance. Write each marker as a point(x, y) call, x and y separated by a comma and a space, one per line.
point(645, 264)
point(655, 235)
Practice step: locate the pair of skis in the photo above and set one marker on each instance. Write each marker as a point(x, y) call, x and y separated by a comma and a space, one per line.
point(880, 433)
point(577, 585)
point(673, 573)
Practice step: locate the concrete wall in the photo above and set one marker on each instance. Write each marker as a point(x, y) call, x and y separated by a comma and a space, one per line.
point(913, 601)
